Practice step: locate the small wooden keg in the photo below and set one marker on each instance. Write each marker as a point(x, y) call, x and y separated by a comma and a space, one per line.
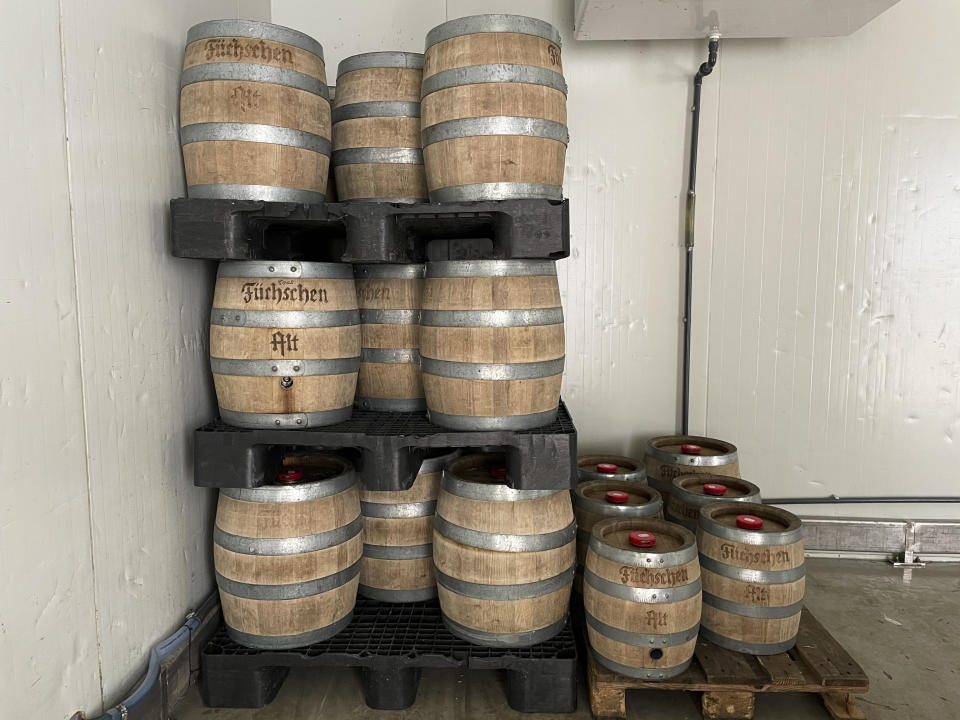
point(504, 558)
point(673, 455)
point(494, 106)
point(491, 343)
point(376, 128)
point(287, 556)
point(254, 113)
point(284, 343)
point(753, 577)
point(398, 537)
point(641, 597)
point(691, 493)
point(597, 500)
point(389, 298)
point(610, 467)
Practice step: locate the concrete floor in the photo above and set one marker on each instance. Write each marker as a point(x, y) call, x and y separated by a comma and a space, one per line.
point(906, 637)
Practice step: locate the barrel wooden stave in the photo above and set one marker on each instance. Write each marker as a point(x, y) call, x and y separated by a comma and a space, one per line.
point(485, 594)
point(269, 622)
point(653, 637)
point(390, 381)
point(379, 84)
point(753, 592)
point(244, 94)
point(248, 339)
point(280, 105)
point(497, 82)
point(490, 99)
point(523, 354)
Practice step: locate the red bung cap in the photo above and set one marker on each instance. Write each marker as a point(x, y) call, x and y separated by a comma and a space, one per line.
point(714, 488)
point(749, 522)
point(641, 538)
point(498, 473)
point(290, 475)
point(690, 449)
point(606, 468)
point(617, 496)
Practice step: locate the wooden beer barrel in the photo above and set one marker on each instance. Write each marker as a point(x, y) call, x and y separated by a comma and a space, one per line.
point(389, 298)
point(287, 556)
point(753, 577)
point(376, 128)
point(504, 558)
point(597, 500)
point(641, 597)
point(494, 106)
point(284, 343)
point(491, 343)
point(610, 467)
point(673, 455)
point(398, 537)
point(691, 493)
point(254, 114)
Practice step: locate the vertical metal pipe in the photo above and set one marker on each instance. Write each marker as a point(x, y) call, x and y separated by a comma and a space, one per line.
point(706, 68)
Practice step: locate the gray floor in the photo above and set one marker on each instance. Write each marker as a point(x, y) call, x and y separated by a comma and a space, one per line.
point(906, 636)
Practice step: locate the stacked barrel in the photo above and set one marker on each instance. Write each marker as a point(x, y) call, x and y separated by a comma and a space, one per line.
point(480, 115)
point(299, 344)
point(722, 566)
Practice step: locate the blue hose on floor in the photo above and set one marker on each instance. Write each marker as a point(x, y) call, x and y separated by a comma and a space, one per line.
point(125, 710)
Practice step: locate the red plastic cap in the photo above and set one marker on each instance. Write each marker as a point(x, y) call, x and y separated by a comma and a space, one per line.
point(714, 489)
point(606, 468)
point(290, 475)
point(617, 496)
point(498, 473)
point(691, 449)
point(749, 522)
point(641, 538)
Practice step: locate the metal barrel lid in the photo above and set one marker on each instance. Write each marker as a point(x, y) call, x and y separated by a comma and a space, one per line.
point(640, 501)
point(694, 489)
point(624, 468)
point(692, 450)
point(256, 30)
point(779, 527)
point(483, 476)
point(499, 23)
point(674, 544)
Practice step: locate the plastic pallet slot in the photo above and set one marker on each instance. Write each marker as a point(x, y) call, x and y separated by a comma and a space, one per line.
point(369, 232)
point(387, 448)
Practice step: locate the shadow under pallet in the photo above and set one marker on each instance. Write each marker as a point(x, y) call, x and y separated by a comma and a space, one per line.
point(391, 643)
point(729, 681)
point(386, 449)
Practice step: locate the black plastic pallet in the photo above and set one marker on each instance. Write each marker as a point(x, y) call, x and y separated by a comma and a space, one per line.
point(364, 232)
point(391, 644)
point(386, 448)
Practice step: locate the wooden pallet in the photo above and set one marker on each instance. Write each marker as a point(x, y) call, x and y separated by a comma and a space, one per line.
point(729, 681)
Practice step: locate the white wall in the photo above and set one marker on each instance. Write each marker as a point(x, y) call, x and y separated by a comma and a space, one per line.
point(827, 345)
point(103, 539)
